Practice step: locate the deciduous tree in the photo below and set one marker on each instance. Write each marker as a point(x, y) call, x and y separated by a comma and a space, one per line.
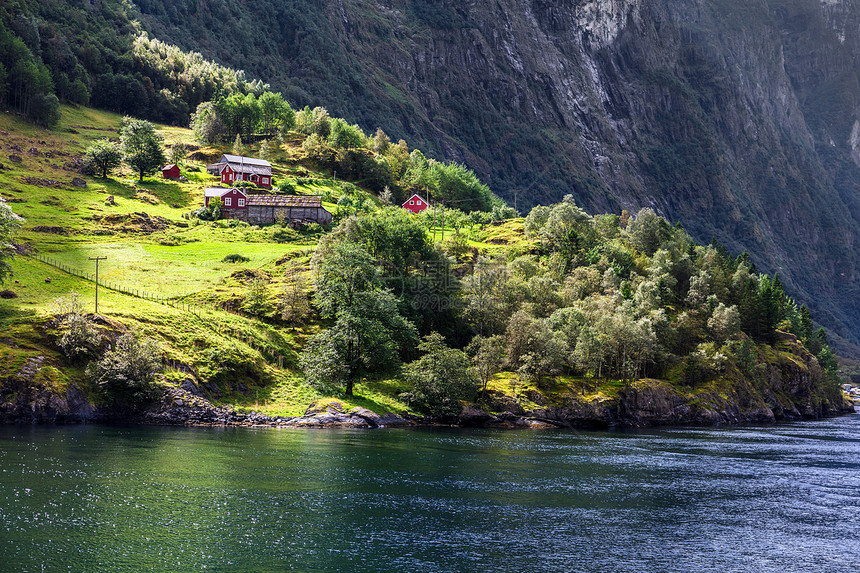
point(10, 224)
point(441, 379)
point(141, 146)
point(103, 156)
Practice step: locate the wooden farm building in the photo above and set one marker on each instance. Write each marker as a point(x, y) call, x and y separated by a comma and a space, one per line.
point(416, 203)
point(268, 209)
point(170, 171)
point(230, 198)
point(232, 168)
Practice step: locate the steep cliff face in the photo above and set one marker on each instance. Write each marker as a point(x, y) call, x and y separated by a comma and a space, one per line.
point(738, 118)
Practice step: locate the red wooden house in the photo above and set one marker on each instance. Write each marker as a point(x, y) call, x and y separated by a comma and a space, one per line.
point(416, 204)
point(230, 198)
point(170, 171)
point(233, 168)
point(265, 209)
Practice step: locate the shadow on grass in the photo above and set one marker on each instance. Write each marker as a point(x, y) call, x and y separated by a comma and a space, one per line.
point(372, 394)
point(167, 191)
point(11, 316)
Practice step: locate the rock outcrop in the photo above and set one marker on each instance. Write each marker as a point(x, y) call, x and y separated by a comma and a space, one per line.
point(179, 406)
point(790, 387)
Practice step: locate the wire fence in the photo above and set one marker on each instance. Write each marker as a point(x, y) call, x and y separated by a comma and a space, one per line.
point(114, 286)
point(210, 318)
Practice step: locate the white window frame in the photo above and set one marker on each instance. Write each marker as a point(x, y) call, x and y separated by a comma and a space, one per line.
point(411, 202)
point(254, 178)
point(241, 202)
point(227, 201)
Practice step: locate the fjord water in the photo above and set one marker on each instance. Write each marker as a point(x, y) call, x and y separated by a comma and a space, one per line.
point(102, 498)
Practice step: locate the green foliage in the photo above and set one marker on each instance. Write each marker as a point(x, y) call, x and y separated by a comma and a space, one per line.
point(488, 358)
point(208, 126)
point(238, 146)
point(563, 228)
point(44, 109)
point(178, 151)
point(141, 146)
point(294, 302)
point(257, 300)
point(103, 156)
point(369, 331)
point(235, 258)
point(345, 136)
point(10, 225)
point(648, 232)
point(409, 263)
point(441, 379)
point(212, 212)
point(126, 372)
point(79, 337)
point(27, 83)
point(532, 348)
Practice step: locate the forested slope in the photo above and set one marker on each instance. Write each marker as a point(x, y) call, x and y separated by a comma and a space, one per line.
point(738, 119)
point(561, 317)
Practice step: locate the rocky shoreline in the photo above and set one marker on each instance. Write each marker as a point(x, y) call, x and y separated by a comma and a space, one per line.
point(645, 404)
point(786, 390)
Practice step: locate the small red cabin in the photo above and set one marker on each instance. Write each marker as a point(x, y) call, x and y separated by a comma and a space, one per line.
point(170, 172)
point(416, 204)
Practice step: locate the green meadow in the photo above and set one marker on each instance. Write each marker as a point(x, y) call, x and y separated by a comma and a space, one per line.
point(150, 245)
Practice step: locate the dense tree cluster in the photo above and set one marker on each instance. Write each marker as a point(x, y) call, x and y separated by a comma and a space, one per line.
point(54, 51)
point(240, 116)
point(596, 297)
point(26, 82)
point(336, 145)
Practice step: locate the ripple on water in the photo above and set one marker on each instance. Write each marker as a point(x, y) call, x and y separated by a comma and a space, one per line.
point(781, 498)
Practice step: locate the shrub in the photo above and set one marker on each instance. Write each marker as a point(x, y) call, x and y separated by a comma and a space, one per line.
point(284, 235)
point(440, 379)
point(79, 338)
point(257, 301)
point(126, 372)
point(235, 258)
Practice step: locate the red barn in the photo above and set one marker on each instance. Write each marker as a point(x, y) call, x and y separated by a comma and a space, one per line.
point(170, 172)
point(415, 204)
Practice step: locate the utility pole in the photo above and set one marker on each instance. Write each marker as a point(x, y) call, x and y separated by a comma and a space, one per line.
point(97, 259)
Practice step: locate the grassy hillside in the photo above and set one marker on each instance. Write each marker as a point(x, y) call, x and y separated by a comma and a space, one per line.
point(151, 247)
point(165, 273)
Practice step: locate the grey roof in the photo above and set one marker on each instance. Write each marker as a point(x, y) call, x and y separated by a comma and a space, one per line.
point(284, 201)
point(246, 160)
point(218, 191)
point(245, 168)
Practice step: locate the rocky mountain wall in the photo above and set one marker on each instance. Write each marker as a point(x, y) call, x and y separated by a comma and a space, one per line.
point(738, 118)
